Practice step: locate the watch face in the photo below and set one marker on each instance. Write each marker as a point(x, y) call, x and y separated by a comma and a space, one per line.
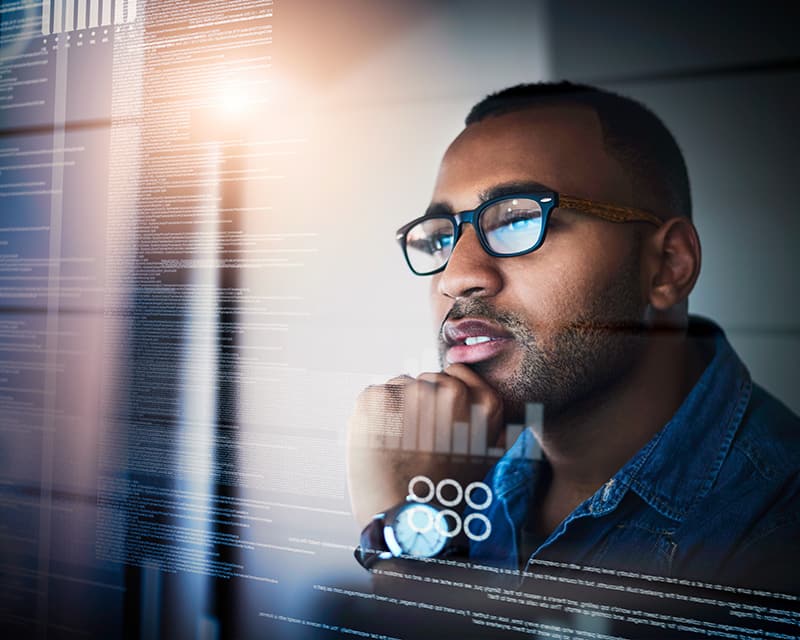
point(419, 530)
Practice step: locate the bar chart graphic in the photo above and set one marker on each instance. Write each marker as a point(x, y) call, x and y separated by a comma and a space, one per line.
point(63, 16)
point(464, 439)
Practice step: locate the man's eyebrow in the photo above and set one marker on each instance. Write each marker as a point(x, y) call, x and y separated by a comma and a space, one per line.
point(496, 191)
point(512, 188)
point(437, 208)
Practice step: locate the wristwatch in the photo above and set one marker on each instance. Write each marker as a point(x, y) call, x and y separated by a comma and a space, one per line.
point(411, 529)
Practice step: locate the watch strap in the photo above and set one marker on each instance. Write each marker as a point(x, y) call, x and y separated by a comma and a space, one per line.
point(372, 545)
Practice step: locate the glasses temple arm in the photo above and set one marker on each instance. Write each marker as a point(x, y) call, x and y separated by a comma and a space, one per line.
point(611, 212)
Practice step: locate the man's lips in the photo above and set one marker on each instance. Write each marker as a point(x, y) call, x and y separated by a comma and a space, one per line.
point(471, 340)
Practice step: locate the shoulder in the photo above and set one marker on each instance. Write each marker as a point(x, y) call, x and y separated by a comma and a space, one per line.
point(761, 473)
point(769, 436)
point(761, 468)
point(767, 450)
point(750, 519)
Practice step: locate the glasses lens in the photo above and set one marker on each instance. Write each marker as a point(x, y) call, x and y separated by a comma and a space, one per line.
point(429, 244)
point(513, 225)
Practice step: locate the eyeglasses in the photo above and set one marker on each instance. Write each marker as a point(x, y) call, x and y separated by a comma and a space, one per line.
point(507, 226)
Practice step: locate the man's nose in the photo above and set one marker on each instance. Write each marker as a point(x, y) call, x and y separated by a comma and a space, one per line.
point(470, 271)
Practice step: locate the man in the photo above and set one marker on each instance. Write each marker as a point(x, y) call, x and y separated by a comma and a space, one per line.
point(561, 254)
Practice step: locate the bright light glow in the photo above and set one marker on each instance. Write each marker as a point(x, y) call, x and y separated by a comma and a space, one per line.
point(235, 99)
point(242, 96)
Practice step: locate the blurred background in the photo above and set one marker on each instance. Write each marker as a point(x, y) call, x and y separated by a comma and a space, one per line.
point(198, 270)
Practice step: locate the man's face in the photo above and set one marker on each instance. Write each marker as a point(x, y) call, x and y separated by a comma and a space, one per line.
point(562, 320)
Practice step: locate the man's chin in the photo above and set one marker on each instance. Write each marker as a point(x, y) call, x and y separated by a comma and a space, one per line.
point(505, 381)
point(503, 373)
point(491, 370)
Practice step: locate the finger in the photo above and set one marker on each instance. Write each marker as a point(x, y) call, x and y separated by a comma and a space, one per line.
point(377, 418)
point(486, 412)
point(395, 391)
point(453, 406)
point(453, 395)
point(469, 377)
point(425, 414)
point(410, 395)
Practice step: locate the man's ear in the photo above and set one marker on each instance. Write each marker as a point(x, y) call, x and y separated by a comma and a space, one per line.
point(673, 258)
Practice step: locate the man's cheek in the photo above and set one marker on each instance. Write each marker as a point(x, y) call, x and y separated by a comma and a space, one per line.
point(559, 307)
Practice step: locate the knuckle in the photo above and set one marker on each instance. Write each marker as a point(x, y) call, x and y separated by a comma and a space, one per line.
point(460, 391)
point(491, 403)
point(430, 378)
point(456, 395)
point(379, 396)
point(370, 395)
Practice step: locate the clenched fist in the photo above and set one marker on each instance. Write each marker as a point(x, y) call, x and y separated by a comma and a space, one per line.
point(405, 428)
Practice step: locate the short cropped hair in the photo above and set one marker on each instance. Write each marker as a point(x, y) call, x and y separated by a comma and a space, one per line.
point(632, 134)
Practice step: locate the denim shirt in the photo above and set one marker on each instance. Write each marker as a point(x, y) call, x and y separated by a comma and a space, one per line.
point(713, 496)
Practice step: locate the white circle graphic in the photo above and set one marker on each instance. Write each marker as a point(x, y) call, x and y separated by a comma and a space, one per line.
point(436, 521)
point(440, 518)
point(412, 495)
point(487, 524)
point(478, 485)
point(451, 483)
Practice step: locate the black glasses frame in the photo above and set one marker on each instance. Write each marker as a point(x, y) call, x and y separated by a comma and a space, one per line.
point(547, 200)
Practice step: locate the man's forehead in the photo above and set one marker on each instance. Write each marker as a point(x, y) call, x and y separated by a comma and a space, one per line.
point(560, 146)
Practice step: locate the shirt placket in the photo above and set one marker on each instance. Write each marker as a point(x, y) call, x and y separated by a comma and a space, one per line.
point(603, 502)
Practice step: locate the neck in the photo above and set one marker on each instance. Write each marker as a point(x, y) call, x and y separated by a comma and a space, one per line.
point(588, 444)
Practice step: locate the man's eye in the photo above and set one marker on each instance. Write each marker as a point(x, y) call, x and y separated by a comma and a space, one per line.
point(520, 224)
point(513, 226)
point(431, 244)
point(519, 220)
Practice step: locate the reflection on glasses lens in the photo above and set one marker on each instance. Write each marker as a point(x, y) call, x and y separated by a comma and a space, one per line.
point(429, 244)
point(513, 225)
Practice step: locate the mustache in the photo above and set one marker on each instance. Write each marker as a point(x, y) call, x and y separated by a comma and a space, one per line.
point(483, 309)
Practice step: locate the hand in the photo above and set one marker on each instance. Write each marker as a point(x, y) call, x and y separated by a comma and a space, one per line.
point(404, 428)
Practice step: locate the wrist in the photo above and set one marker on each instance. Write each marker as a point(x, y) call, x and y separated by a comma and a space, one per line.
point(412, 530)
